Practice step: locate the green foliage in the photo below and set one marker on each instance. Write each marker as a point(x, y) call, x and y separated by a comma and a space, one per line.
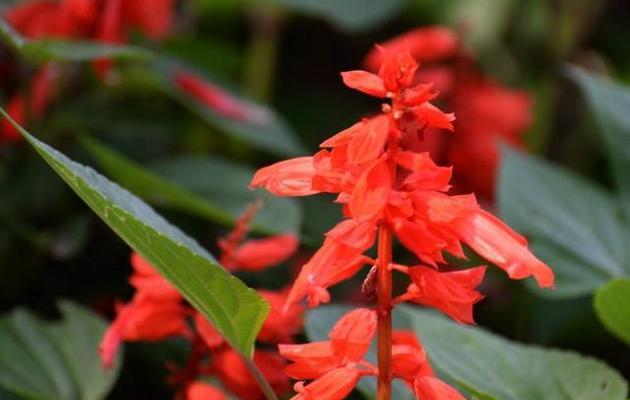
point(493, 368)
point(234, 309)
point(610, 102)
point(54, 360)
point(350, 15)
point(573, 225)
point(67, 50)
point(209, 188)
point(612, 303)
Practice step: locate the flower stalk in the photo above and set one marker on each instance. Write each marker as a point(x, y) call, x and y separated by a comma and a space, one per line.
point(384, 313)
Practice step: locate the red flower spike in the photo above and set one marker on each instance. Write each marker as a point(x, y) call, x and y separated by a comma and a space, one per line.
point(148, 282)
point(255, 255)
point(496, 242)
point(235, 376)
point(365, 82)
point(287, 178)
point(204, 391)
point(211, 337)
point(334, 385)
point(281, 324)
point(357, 235)
point(430, 388)
point(453, 293)
point(351, 336)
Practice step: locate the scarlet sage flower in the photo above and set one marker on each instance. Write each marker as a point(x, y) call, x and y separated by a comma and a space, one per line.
point(16, 110)
point(217, 99)
point(385, 184)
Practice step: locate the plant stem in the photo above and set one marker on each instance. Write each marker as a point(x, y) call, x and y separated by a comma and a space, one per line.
point(384, 312)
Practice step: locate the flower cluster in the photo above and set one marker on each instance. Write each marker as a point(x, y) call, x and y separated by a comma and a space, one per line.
point(105, 21)
point(158, 312)
point(388, 188)
point(489, 112)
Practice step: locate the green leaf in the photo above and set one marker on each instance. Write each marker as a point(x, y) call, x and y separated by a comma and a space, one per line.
point(610, 103)
point(574, 226)
point(612, 304)
point(234, 309)
point(268, 131)
point(350, 15)
point(67, 50)
point(209, 188)
point(491, 367)
point(54, 360)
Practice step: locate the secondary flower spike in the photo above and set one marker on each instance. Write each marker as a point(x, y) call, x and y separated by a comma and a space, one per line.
point(390, 190)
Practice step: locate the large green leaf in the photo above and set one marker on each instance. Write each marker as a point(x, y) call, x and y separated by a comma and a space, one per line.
point(54, 360)
point(491, 367)
point(210, 188)
point(610, 103)
point(67, 50)
point(573, 225)
point(612, 304)
point(267, 131)
point(350, 15)
point(234, 309)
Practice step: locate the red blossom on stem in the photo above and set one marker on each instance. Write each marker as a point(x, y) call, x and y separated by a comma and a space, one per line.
point(386, 185)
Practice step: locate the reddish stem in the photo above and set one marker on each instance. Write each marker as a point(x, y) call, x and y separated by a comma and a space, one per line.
point(384, 309)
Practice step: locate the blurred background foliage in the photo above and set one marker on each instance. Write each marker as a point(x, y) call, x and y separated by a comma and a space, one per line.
point(194, 165)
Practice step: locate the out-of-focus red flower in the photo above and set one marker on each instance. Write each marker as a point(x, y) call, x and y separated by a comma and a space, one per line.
point(430, 43)
point(144, 319)
point(215, 98)
point(154, 18)
point(42, 89)
point(148, 282)
point(17, 111)
point(204, 391)
point(281, 324)
point(211, 337)
point(254, 255)
point(234, 374)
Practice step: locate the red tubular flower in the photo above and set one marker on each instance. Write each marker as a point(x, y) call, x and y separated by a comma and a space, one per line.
point(453, 292)
point(255, 255)
point(495, 241)
point(234, 374)
point(281, 324)
point(204, 391)
point(287, 178)
point(335, 365)
point(429, 388)
point(217, 99)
